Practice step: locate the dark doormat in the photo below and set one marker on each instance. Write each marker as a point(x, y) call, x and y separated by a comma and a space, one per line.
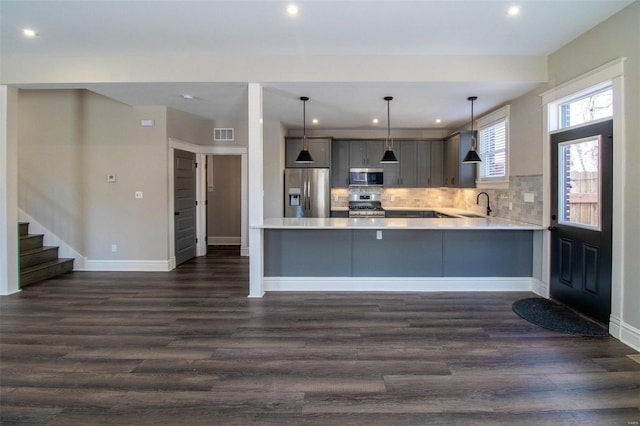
point(554, 316)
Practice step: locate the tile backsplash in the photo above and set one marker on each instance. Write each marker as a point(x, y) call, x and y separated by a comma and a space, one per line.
point(506, 203)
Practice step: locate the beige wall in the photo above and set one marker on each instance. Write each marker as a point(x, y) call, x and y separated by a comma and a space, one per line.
point(189, 128)
point(525, 132)
point(224, 197)
point(69, 141)
point(617, 37)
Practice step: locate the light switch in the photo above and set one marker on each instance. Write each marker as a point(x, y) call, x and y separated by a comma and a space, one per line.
point(139, 194)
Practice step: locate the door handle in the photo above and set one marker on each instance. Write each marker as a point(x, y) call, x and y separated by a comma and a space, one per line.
point(176, 213)
point(552, 228)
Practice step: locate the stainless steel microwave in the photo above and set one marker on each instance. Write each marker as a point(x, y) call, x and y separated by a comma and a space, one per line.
point(366, 177)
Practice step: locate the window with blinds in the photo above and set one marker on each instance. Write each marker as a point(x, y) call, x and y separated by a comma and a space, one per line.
point(493, 145)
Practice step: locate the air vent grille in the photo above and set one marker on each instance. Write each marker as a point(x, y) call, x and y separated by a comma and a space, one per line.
point(223, 134)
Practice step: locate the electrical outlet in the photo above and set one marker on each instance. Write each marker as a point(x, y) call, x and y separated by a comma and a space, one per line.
point(139, 194)
point(114, 248)
point(378, 235)
point(528, 197)
point(111, 178)
point(510, 205)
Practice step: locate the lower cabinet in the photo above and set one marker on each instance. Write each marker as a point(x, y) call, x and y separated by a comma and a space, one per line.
point(403, 214)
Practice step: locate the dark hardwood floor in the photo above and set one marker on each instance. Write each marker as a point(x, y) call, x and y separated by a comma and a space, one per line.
point(188, 347)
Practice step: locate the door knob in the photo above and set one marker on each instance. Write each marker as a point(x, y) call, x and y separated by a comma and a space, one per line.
point(176, 213)
point(552, 228)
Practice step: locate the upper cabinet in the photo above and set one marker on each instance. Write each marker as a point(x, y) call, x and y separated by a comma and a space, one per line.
point(340, 164)
point(319, 148)
point(430, 164)
point(456, 173)
point(365, 153)
point(420, 162)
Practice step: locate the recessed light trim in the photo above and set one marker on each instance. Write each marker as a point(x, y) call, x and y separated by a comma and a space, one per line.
point(29, 33)
point(514, 10)
point(375, 121)
point(187, 97)
point(293, 10)
point(438, 121)
point(315, 121)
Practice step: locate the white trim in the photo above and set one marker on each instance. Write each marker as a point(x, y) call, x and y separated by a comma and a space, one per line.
point(128, 265)
point(9, 256)
point(201, 211)
point(395, 284)
point(224, 241)
point(500, 114)
point(614, 72)
point(593, 78)
point(203, 150)
point(626, 333)
point(540, 288)
point(256, 183)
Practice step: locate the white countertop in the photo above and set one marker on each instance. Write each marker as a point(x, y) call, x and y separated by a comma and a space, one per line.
point(397, 223)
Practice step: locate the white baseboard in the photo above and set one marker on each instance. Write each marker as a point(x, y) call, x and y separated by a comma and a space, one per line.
point(397, 284)
point(128, 265)
point(627, 334)
point(223, 241)
point(51, 239)
point(540, 288)
point(244, 251)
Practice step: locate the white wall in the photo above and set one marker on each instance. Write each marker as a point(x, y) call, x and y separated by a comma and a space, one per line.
point(189, 128)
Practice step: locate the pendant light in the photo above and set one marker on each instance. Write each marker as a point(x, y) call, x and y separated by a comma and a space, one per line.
point(304, 157)
point(389, 156)
point(472, 156)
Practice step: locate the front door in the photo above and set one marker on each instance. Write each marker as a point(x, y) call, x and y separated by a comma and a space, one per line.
point(581, 211)
point(184, 167)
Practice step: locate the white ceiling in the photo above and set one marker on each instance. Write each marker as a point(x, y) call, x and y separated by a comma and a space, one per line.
point(323, 27)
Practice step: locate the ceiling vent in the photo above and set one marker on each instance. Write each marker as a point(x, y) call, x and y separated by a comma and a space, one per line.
point(223, 134)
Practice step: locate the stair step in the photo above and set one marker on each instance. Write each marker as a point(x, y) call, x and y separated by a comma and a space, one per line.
point(45, 271)
point(31, 241)
point(38, 255)
point(23, 228)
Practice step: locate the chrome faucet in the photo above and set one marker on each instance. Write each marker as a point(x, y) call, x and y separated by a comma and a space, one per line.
point(488, 206)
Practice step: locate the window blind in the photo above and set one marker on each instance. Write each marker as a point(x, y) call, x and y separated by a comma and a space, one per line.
point(493, 144)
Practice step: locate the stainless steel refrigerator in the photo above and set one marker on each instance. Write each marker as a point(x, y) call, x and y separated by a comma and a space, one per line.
point(307, 192)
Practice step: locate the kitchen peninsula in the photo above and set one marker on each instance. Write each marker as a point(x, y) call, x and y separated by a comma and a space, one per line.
point(400, 254)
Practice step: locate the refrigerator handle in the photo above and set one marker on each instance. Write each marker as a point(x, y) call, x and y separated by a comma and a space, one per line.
point(308, 194)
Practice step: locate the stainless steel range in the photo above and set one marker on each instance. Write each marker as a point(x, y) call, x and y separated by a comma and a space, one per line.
point(365, 205)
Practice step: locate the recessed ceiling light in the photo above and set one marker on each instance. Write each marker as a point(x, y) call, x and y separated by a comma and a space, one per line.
point(438, 121)
point(375, 121)
point(314, 121)
point(513, 10)
point(292, 10)
point(187, 97)
point(28, 32)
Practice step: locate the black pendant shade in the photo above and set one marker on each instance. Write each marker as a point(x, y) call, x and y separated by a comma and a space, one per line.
point(472, 156)
point(389, 156)
point(304, 157)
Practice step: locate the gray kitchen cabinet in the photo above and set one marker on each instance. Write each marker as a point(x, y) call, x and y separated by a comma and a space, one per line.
point(319, 148)
point(430, 164)
point(403, 214)
point(456, 173)
point(365, 153)
point(340, 164)
point(404, 173)
point(339, 213)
